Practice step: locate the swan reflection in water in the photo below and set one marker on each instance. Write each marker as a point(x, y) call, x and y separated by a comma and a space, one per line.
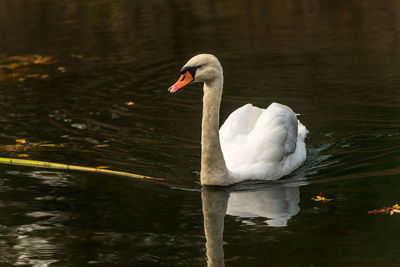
point(277, 203)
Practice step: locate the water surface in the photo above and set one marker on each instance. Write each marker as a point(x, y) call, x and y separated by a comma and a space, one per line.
point(336, 63)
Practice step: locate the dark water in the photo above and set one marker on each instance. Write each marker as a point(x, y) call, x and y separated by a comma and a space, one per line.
point(337, 63)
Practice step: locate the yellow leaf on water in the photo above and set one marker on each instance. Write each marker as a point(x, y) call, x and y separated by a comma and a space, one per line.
point(47, 145)
point(102, 167)
point(44, 76)
point(42, 60)
point(20, 141)
point(21, 79)
point(23, 155)
point(13, 66)
point(320, 197)
point(62, 69)
point(35, 75)
point(103, 145)
point(130, 103)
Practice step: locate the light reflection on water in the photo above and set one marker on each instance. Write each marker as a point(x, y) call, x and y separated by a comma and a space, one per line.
point(334, 63)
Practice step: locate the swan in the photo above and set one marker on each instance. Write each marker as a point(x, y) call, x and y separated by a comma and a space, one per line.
point(253, 143)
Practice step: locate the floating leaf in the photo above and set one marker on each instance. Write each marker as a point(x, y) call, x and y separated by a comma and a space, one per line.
point(102, 145)
point(42, 60)
point(390, 210)
point(35, 75)
point(320, 197)
point(12, 66)
point(130, 103)
point(102, 167)
point(19, 67)
point(23, 155)
point(377, 211)
point(62, 69)
point(13, 148)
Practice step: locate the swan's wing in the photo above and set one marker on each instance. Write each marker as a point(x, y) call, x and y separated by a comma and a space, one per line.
point(240, 122)
point(255, 140)
point(276, 130)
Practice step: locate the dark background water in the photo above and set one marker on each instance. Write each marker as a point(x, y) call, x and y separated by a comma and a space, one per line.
point(334, 62)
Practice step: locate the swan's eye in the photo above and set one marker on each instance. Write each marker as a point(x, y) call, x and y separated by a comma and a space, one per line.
point(191, 70)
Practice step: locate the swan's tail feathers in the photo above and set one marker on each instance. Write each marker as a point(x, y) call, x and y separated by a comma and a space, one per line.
point(301, 130)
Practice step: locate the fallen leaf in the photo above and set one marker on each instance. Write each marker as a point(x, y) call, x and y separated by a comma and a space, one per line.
point(103, 145)
point(23, 155)
point(44, 76)
point(388, 210)
point(35, 75)
point(130, 103)
point(20, 141)
point(13, 148)
point(102, 167)
point(62, 69)
point(377, 211)
point(21, 79)
point(12, 66)
point(42, 60)
point(320, 197)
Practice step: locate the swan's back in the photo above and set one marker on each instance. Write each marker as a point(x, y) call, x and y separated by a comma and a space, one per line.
point(262, 143)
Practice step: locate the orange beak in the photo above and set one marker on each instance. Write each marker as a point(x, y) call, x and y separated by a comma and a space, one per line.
point(184, 80)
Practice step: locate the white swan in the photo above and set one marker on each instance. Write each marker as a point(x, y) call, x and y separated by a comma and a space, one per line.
point(253, 143)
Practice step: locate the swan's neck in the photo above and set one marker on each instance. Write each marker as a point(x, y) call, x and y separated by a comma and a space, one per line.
point(213, 167)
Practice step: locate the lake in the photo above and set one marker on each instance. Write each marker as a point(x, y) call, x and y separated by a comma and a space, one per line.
point(85, 83)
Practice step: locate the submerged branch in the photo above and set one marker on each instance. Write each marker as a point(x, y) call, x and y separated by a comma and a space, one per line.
point(52, 165)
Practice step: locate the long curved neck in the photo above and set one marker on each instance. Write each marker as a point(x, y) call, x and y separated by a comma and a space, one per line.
point(213, 167)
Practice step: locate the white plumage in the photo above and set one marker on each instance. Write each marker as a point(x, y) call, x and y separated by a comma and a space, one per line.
point(263, 143)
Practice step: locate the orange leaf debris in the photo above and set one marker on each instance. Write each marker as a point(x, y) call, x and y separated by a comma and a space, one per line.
point(35, 75)
point(320, 197)
point(102, 145)
point(102, 167)
point(42, 60)
point(388, 210)
point(12, 66)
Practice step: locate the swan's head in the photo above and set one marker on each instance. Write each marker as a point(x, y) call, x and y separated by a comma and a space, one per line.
point(200, 68)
